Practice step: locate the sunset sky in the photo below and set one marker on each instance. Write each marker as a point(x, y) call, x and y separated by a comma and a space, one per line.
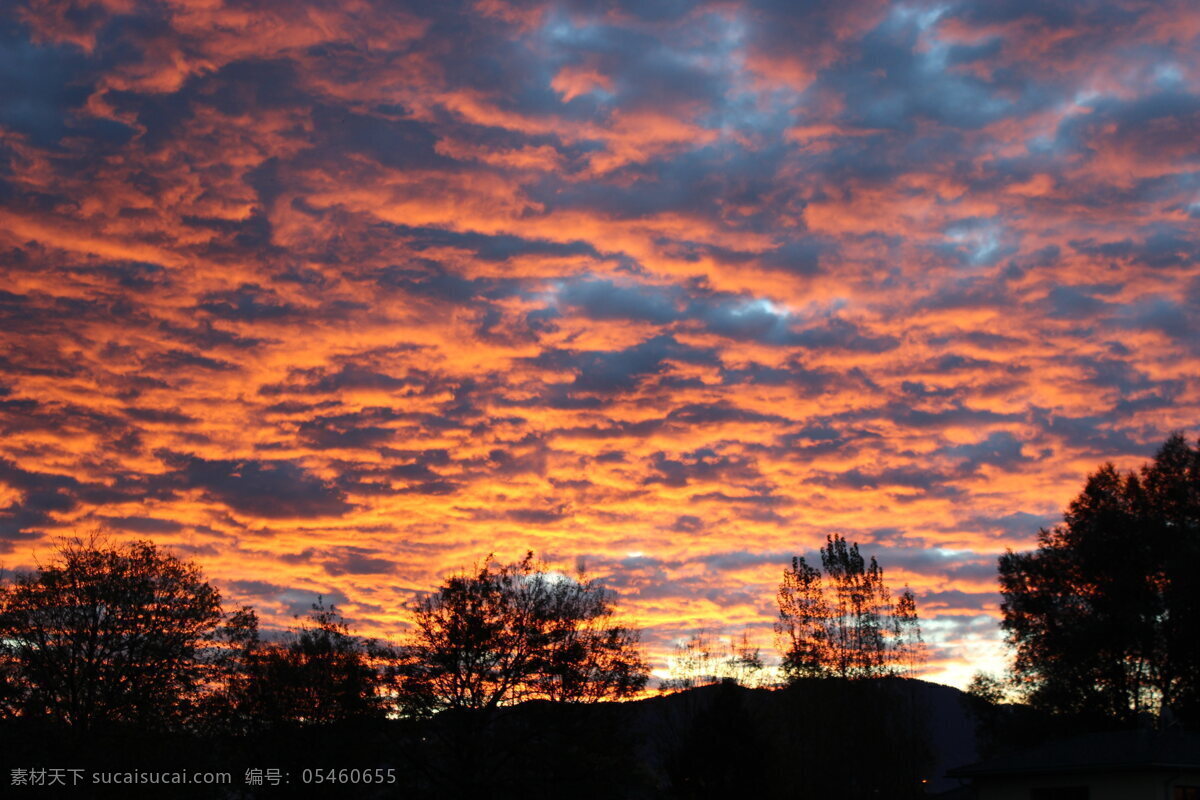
point(337, 297)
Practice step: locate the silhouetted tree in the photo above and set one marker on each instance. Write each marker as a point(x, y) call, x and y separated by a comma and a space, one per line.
point(108, 633)
point(514, 632)
point(1104, 616)
point(222, 708)
point(319, 674)
point(847, 627)
point(11, 690)
point(704, 660)
point(907, 645)
point(804, 622)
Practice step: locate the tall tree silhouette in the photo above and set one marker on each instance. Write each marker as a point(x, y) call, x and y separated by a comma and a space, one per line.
point(1104, 616)
point(804, 621)
point(844, 623)
point(512, 632)
point(108, 633)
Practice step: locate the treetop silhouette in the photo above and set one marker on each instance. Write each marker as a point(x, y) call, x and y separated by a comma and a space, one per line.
point(319, 673)
point(844, 623)
point(1104, 616)
point(704, 659)
point(108, 633)
point(511, 632)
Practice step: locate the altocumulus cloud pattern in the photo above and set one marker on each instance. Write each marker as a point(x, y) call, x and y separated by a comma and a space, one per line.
point(337, 296)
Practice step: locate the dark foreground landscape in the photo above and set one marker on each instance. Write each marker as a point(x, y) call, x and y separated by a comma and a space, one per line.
point(818, 738)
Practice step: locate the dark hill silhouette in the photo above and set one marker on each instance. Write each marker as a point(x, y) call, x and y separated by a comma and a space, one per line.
point(820, 737)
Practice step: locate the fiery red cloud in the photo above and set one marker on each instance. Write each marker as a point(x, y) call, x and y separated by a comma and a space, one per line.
point(339, 296)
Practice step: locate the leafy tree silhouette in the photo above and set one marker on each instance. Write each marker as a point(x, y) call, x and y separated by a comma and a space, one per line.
point(495, 637)
point(320, 673)
point(108, 633)
point(1104, 616)
point(844, 623)
point(515, 632)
